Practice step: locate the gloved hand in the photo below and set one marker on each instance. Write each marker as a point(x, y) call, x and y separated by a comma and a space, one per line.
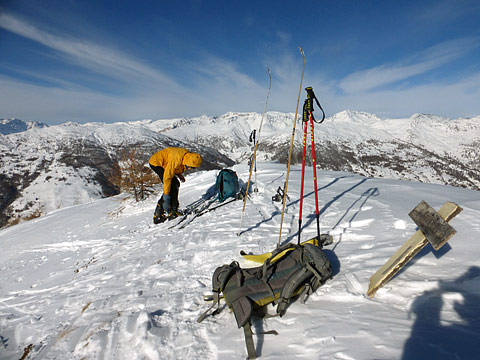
point(181, 177)
point(166, 203)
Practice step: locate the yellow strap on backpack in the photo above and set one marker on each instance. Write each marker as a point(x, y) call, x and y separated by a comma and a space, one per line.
point(260, 258)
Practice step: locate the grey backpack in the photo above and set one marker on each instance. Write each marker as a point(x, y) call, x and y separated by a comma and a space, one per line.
point(291, 271)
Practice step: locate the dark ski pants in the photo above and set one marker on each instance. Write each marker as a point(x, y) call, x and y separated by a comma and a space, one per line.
point(173, 190)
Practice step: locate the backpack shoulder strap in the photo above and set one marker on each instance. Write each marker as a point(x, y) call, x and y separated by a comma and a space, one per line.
point(268, 263)
point(314, 263)
point(247, 331)
point(291, 285)
point(318, 263)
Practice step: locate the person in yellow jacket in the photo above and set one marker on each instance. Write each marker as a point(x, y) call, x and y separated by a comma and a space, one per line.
point(170, 164)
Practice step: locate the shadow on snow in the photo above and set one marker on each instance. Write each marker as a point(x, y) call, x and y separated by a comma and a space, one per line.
point(434, 338)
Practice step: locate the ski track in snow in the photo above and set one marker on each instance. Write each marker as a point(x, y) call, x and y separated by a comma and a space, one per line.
point(100, 281)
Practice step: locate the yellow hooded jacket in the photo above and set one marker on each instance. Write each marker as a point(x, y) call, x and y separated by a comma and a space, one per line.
point(173, 160)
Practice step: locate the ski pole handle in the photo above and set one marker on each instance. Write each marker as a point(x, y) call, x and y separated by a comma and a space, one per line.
point(310, 97)
point(307, 109)
point(310, 92)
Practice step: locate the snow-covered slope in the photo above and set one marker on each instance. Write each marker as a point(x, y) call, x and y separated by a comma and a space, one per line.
point(100, 281)
point(44, 169)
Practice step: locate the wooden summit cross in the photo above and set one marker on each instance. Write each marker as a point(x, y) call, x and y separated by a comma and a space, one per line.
point(434, 229)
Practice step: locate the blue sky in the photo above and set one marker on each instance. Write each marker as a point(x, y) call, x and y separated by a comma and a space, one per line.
point(73, 60)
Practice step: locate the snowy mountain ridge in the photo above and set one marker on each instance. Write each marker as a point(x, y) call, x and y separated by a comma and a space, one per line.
point(346, 125)
point(425, 148)
point(46, 168)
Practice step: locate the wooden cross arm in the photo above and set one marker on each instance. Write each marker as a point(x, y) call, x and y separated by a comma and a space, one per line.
point(417, 242)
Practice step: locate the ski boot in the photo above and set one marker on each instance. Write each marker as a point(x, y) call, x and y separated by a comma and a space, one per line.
point(159, 216)
point(174, 214)
point(160, 219)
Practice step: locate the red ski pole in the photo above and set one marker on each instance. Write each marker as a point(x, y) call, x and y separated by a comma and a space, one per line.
point(303, 179)
point(314, 164)
point(308, 115)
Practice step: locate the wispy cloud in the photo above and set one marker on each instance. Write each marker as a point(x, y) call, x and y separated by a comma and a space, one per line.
point(218, 86)
point(446, 11)
point(416, 64)
point(57, 105)
point(215, 85)
point(88, 55)
point(222, 72)
point(452, 99)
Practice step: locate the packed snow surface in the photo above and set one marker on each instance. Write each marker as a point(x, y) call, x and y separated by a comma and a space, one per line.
point(101, 281)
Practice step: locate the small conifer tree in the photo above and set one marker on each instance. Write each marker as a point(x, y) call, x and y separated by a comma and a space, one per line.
point(130, 174)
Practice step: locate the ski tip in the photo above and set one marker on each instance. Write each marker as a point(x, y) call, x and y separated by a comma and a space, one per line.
point(243, 253)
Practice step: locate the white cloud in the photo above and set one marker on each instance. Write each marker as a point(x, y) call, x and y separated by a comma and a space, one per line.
point(416, 64)
point(57, 105)
point(89, 55)
point(455, 99)
point(216, 85)
point(223, 72)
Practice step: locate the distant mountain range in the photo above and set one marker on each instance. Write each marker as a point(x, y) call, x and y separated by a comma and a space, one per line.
point(44, 168)
point(11, 126)
point(424, 148)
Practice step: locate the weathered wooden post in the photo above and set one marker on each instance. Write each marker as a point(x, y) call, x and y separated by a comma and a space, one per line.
point(434, 229)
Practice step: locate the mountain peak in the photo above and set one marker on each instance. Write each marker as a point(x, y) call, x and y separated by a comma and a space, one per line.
point(424, 116)
point(355, 116)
